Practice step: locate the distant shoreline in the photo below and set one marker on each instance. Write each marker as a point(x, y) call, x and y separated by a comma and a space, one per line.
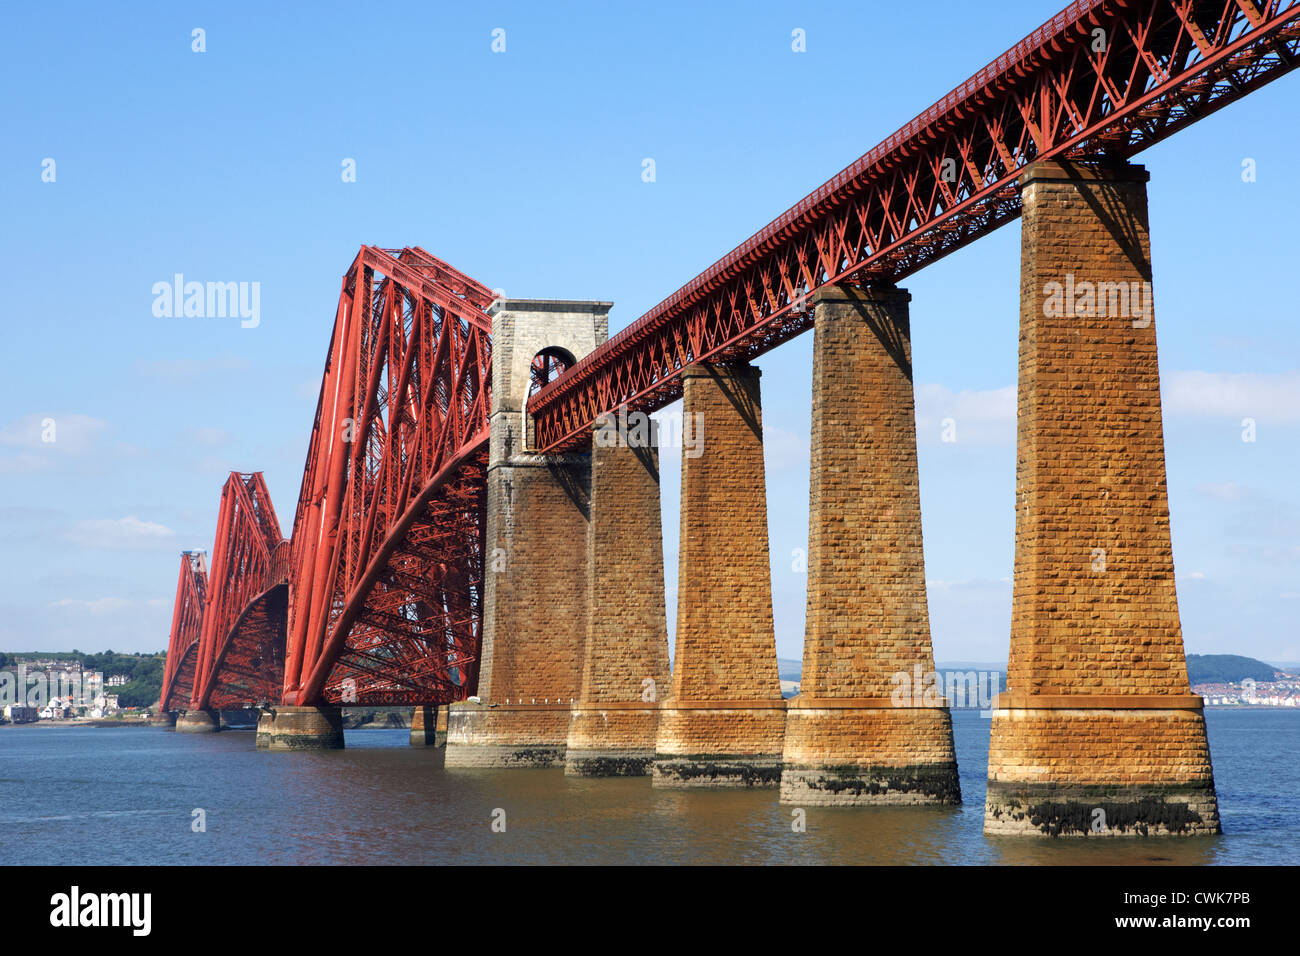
point(79, 722)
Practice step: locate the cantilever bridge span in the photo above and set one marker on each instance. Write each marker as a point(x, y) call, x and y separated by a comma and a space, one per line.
point(461, 526)
point(387, 552)
point(226, 650)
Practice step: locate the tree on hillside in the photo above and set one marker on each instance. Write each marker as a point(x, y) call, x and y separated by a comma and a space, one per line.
point(1226, 669)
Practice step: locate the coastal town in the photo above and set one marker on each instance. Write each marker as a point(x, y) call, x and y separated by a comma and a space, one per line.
point(1284, 691)
point(57, 690)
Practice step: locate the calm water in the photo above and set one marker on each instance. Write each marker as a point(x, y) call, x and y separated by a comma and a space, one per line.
point(100, 796)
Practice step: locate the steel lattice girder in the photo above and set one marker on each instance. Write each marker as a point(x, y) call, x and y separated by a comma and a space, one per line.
point(387, 553)
point(945, 179)
point(250, 671)
point(187, 626)
point(237, 660)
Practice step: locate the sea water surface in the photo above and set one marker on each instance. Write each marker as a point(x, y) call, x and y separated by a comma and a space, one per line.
point(91, 796)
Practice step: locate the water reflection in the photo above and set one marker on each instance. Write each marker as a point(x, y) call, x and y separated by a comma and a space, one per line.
point(94, 796)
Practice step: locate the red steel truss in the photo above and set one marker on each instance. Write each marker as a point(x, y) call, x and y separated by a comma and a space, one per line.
point(1103, 79)
point(240, 659)
point(187, 625)
point(378, 598)
point(387, 554)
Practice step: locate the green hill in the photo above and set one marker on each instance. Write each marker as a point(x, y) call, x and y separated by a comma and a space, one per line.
point(1226, 669)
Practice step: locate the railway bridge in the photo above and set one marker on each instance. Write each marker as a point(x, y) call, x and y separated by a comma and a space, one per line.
point(478, 527)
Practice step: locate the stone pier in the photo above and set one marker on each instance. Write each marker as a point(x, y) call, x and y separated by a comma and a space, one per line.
point(165, 718)
point(1098, 733)
point(536, 589)
point(429, 726)
point(198, 722)
point(724, 722)
point(867, 727)
point(300, 728)
point(625, 667)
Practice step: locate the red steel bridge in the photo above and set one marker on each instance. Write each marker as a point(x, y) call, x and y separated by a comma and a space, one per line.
point(377, 597)
point(227, 643)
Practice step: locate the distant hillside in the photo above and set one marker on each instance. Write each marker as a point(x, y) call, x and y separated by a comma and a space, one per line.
point(1226, 669)
point(144, 672)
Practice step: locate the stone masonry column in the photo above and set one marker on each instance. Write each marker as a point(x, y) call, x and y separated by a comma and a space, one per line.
point(625, 669)
point(198, 722)
point(724, 722)
point(536, 574)
point(867, 727)
point(1098, 732)
point(300, 728)
point(428, 726)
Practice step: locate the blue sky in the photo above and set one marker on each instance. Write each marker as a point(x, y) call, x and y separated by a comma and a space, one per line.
point(523, 169)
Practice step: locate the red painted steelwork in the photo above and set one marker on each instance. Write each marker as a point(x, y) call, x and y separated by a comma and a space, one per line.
point(238, 664)
point(385, 570)
point(187, 625)
point(943, 180)
point(387, 560)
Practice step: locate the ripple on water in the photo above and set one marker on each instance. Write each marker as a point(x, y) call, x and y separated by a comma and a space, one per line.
point(127, 796)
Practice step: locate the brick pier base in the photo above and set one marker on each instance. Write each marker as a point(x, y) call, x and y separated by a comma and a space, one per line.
point(847, 753)
point(724, 722)
point(1098, 733)
point(612, 739)
point(859, 733)
point(719, 743)
point(300, 728)
point(535, 617)
point(536, 583)
point(1140, 768)
point(429, 726)
point(198, 722)
point(625, 667)
point(509, 735)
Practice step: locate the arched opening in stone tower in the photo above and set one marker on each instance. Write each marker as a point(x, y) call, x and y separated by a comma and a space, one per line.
point(548, 364)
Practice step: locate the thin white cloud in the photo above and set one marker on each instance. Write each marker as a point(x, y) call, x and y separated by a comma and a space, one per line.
point(96, 606)
point(1268, 397)
point(120, 534)
point(1223, 490)
point(987, 417)
point(208, 437)
point(184, 370)
point(971, 416)
point(52, 431)
point(24, 463)
point(37, 438)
